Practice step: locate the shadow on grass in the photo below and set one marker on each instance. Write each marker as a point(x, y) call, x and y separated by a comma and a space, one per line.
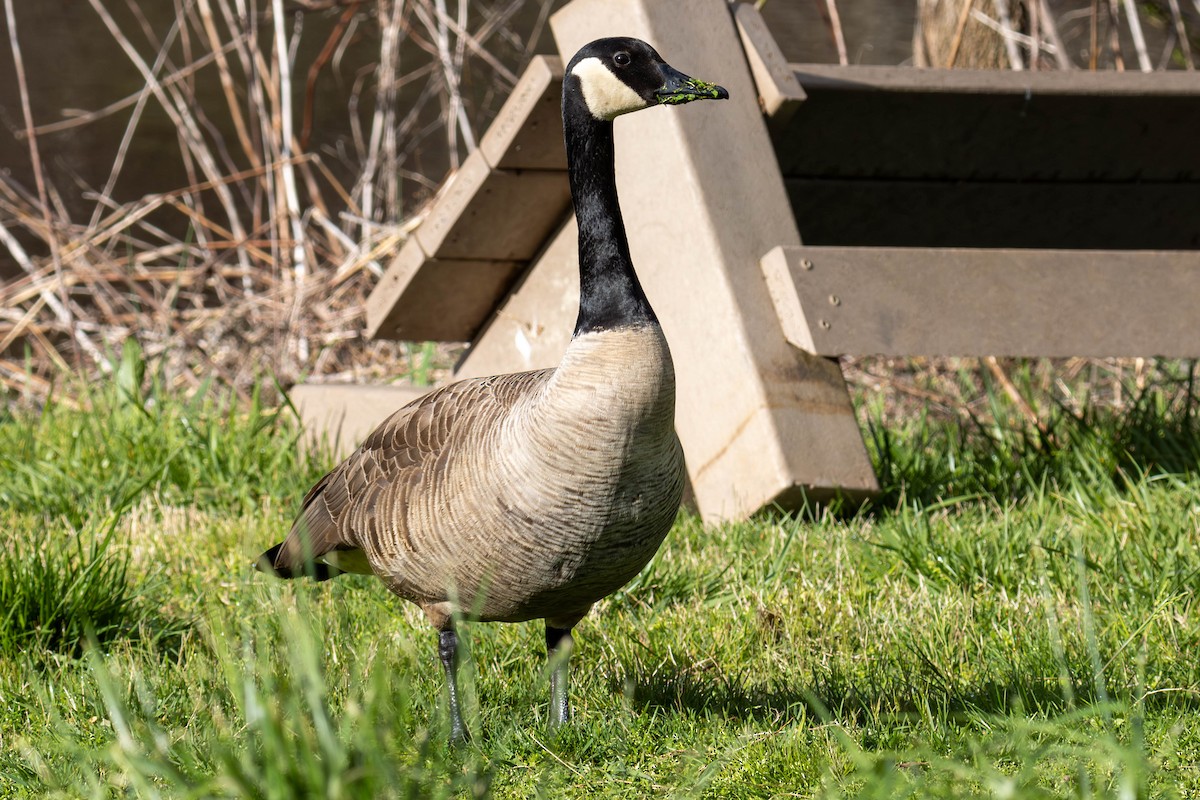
point(161, 634)
point(62, 592)
point(833, 698)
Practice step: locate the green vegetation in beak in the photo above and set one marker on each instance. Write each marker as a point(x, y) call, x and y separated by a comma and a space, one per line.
point(681, 88)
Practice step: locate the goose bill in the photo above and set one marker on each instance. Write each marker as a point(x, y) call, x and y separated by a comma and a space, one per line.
point(681, 88)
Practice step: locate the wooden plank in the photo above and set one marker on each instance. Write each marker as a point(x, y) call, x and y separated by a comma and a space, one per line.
point(943, 302)
point(901, 122)
point(779, 93)
point(340, 416)
point(527, 133)
point(1068, 215)
point(702, 198)
point(494, 215)
point(420, 299)
point(910, 80)
point(532, 327)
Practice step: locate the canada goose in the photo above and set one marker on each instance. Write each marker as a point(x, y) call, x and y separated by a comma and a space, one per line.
point(535, 494)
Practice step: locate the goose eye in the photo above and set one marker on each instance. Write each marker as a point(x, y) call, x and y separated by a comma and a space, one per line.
point(621, 59)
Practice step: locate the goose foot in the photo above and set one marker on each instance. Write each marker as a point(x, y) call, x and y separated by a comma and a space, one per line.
point(558, 653)
point(448, 652)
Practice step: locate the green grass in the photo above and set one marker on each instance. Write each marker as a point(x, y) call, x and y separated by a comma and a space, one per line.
point(1015, 616)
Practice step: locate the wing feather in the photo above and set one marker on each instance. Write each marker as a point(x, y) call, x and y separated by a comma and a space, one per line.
point(336, 511)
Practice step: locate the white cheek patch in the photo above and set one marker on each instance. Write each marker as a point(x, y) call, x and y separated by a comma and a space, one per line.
point(606, 95)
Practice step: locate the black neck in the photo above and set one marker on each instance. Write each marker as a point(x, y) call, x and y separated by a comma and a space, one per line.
point(609, 293)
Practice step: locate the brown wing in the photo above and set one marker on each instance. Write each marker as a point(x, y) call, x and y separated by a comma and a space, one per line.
point(343, 503)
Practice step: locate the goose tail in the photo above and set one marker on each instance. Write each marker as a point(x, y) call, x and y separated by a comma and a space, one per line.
point(271, 563)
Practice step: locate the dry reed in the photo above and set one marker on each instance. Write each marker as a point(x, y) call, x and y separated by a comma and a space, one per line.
point(259, 264)
point(1036, 34)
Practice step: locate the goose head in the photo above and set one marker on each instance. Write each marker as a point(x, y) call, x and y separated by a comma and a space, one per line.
point(618, 75)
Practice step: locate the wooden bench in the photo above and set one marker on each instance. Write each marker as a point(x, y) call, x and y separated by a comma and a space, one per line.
point(821, 211)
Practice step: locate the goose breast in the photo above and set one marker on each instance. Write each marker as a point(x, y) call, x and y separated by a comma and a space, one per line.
point(544, 509)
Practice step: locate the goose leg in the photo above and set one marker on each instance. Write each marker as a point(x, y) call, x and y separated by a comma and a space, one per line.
point(558, 652)
point(448, 652)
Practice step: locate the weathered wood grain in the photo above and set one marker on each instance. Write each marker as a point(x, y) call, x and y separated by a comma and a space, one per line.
point(941, 301)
